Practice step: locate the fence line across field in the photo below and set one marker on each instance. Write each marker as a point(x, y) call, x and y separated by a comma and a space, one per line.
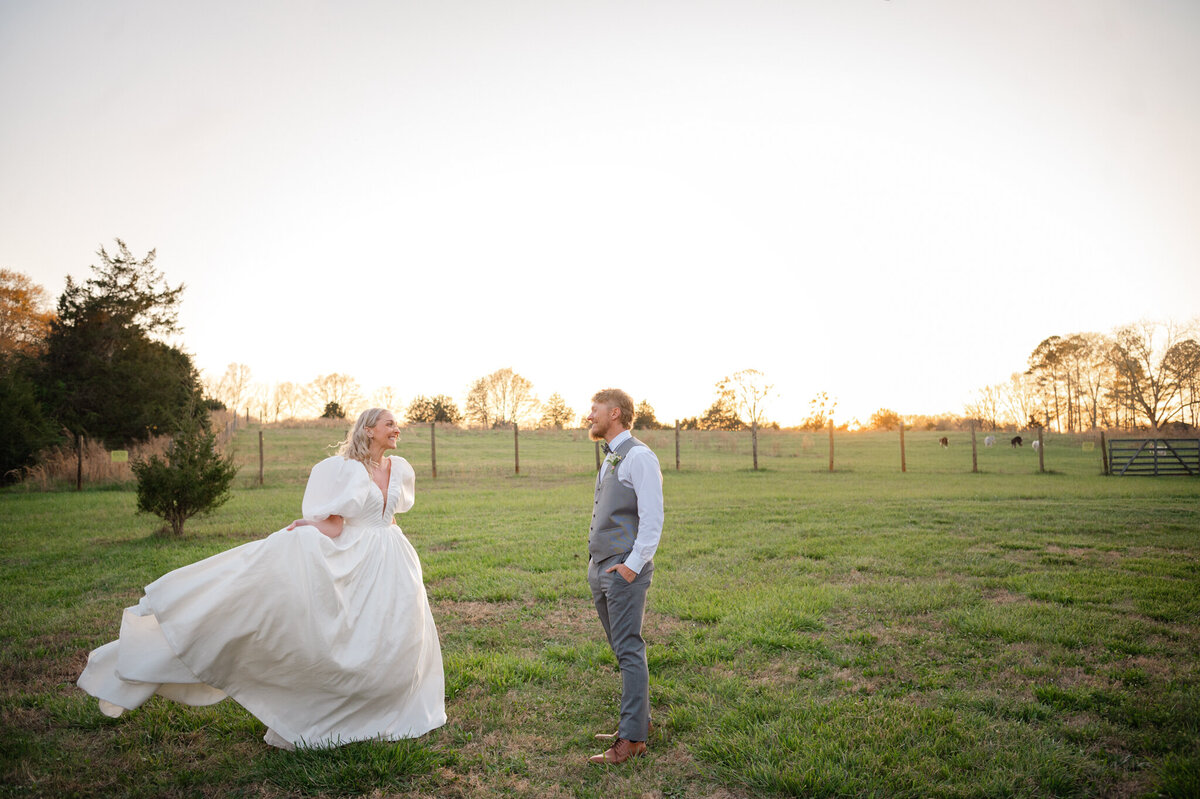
point(457, 451)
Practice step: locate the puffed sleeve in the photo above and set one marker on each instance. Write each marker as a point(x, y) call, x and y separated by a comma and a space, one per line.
point(336, 486)
point(406, 479)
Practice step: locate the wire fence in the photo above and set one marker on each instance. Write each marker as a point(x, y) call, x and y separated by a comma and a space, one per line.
point(442, 452)
point(280, 454)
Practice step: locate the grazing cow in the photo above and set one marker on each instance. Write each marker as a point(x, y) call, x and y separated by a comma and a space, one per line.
point(1036, 445)
point(945, 442)
point(990, 441)
point(1016, 441)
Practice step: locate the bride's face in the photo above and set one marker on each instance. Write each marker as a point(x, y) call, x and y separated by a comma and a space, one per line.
point(385, 432)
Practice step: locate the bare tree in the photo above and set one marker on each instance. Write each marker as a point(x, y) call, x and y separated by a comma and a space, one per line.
point(386, 397)
point(258, 399)
point(336, 388)
point(234, 386)
point(1182, 362)
point(1092, 370)
point(1019, 398)
point(750, 390)
point(1045, 365)
point(501, 398)
point(477, 407)
point(286, 400)
point(1152, 359)
point(986, 407)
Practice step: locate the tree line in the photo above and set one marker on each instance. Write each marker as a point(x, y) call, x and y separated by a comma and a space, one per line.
point(1144, 375)
point(98, 366)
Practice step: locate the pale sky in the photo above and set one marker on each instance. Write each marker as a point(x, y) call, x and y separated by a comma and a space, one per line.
point(892, 201)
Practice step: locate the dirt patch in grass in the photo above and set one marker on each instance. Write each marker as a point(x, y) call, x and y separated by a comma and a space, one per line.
point(662, 627)
point(572, 619)
point(474, 612)
point(776, 673)
point(1002, 596)
point(577, 620)
point(854, 682)
point(1155, 670)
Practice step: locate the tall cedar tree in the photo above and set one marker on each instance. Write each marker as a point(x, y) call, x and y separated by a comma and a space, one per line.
point(104, 374)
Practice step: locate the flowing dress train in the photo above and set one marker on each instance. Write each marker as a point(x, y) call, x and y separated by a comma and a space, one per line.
point(324, 640)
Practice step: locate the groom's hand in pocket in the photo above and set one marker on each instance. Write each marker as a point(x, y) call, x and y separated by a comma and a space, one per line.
point(627, 573)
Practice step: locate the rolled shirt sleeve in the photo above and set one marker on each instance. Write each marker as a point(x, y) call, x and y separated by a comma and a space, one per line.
point(641, 473)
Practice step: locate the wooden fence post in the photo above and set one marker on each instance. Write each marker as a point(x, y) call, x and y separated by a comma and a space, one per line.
point(974, 451)
point(754, 445)
point(433, 447)
point(260, 457)
point(676, 447)
point(78, 461)
point(903, 464)
point(1041, 451)
point(1104, 466)
point(516, 449)
point(830, 445)
point(597, 443)
point(247, 417)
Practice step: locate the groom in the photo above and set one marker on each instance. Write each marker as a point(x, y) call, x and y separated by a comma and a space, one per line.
point(627, 521)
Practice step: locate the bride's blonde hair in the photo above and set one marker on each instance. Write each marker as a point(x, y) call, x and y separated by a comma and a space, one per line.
point(357, 446)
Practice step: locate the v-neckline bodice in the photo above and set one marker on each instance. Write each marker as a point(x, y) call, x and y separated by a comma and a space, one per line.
point(386, 490)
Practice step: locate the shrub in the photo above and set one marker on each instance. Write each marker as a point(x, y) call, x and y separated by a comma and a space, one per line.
point(192, 478)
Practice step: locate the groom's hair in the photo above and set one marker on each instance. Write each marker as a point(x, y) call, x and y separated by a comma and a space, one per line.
point(616, 398)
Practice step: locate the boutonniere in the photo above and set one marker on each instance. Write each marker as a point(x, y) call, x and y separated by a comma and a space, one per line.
point(613, 459)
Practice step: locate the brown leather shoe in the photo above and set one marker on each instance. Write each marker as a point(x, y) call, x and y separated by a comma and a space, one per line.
point(621, 751)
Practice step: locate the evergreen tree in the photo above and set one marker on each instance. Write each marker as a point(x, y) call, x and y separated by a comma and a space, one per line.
point(722, 414)
point(24, 427)
point(103, 372)
point(644, 418)
point(555, 413)
point(333, 411)
point(193, 478)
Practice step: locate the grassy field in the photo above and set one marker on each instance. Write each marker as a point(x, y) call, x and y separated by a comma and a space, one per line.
point(861, 633)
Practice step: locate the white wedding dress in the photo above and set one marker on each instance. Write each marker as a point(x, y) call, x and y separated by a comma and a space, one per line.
point(325, 640)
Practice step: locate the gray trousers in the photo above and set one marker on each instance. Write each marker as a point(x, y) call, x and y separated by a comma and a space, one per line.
point(620, 606)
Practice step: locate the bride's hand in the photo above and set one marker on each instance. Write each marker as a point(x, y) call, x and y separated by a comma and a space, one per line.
point(331, 526)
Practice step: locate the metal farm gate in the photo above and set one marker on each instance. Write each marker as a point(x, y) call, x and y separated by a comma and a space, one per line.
point(1154, 456)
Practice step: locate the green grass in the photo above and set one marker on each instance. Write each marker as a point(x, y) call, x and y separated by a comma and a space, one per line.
point(856, 633)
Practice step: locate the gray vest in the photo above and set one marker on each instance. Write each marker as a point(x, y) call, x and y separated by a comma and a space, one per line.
point(615, 513)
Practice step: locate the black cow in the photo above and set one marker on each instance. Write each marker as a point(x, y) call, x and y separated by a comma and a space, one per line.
point(1016, 442)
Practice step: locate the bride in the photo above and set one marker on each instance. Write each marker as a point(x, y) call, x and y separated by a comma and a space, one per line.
point(322, 630)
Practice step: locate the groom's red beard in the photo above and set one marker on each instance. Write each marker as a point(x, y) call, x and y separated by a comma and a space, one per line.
point(594, 436)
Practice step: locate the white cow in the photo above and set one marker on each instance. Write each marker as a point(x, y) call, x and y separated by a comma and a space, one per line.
point(990, 441)
point(1037, 445)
